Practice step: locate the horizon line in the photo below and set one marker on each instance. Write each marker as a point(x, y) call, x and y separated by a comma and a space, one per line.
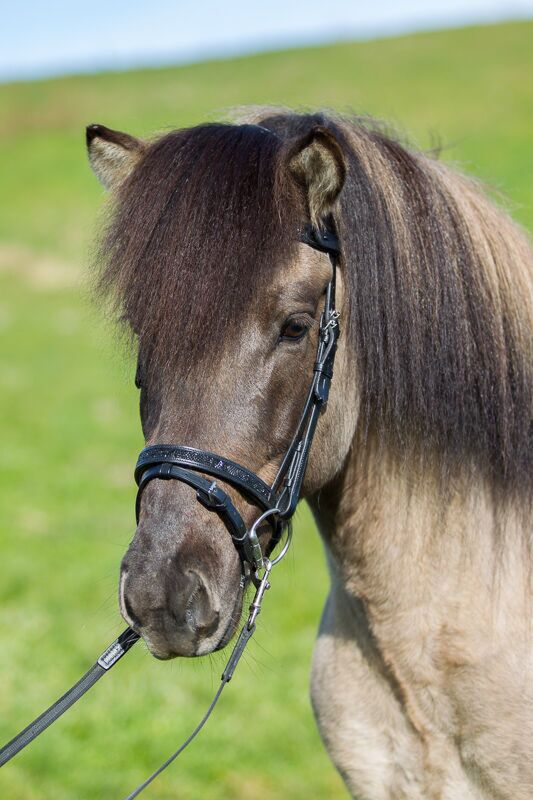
point(258, 46)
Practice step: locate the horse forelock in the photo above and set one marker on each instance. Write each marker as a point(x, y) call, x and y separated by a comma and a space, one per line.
point(194, 235)
point(439, 280)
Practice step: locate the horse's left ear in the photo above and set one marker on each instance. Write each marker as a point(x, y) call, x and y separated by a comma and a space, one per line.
point(112, 154)
point(317, 163)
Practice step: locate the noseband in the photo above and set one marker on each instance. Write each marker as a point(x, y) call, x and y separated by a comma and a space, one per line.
point(278, 502)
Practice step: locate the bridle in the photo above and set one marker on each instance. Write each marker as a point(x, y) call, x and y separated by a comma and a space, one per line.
point(277, 504)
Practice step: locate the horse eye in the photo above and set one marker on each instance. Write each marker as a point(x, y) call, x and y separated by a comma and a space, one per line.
point(294, 330)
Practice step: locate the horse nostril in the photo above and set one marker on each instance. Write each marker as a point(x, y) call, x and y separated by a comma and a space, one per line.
point(193, 602)
point(175, 613)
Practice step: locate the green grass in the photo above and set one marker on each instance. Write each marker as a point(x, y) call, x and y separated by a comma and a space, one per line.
point(70, 432)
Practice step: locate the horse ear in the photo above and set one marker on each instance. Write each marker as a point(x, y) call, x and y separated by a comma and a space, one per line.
point(317, 163)
point(112, 154)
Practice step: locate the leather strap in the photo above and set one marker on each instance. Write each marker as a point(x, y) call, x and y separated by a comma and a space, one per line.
point(207, 492)
point(324, 240)
point(251, 486)
point(288, 481)
point(108, 659)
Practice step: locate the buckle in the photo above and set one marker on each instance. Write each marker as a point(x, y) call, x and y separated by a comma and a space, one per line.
point(214, 497)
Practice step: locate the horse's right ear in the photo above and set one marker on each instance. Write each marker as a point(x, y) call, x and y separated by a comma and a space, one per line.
point(112, 154)
point(317, 163)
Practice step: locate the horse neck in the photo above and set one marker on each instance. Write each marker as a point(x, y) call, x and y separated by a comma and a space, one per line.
point(398, 537)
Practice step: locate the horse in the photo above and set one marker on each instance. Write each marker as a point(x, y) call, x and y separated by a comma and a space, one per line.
point(420, 473)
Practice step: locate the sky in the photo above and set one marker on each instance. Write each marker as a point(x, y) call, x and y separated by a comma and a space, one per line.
point(39, 38)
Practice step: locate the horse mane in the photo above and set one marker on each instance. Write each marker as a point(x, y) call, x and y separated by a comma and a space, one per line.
point(439, 279)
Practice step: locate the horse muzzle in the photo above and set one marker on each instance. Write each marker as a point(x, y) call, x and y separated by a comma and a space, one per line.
point(180, 606)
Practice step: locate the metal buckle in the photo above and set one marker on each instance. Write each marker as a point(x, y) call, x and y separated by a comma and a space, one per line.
point(251, 545)
point(261, 587)
point(332, 322)
point(262, 582)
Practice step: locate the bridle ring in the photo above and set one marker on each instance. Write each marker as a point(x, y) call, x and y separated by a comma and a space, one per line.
point(283, 552)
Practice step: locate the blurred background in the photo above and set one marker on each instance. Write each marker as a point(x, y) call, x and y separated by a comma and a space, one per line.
point(453, 73)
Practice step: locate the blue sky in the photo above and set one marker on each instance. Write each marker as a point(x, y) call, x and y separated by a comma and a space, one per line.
point(47, 37)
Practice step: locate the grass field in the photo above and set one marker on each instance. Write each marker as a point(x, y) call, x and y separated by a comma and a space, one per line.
point(70, 433)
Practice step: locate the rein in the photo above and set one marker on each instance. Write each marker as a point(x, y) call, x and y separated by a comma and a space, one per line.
point(277, 504)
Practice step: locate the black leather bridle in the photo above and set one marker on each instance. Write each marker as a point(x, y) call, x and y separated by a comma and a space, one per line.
point(277, 502)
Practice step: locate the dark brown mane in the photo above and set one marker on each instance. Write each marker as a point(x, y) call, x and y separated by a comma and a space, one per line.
point(439, 280)
point(193, 237)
